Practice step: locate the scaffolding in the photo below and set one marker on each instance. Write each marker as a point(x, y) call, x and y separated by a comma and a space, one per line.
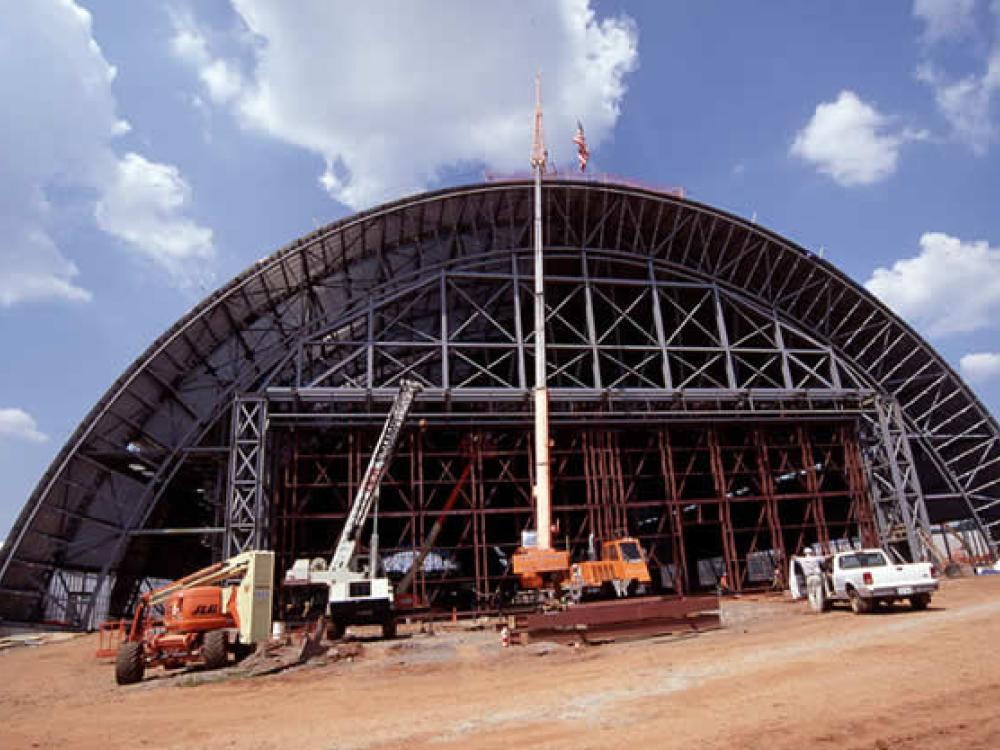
point(746, 493)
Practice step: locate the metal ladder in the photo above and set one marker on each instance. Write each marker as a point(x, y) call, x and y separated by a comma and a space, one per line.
point(377, 465)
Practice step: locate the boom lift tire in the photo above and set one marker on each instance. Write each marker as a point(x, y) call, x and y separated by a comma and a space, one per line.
point(129, 664)
point(214, 649)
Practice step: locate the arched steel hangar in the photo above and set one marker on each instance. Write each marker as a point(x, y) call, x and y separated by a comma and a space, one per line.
point(720, 391)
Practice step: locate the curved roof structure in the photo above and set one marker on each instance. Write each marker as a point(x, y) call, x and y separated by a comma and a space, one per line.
point(801, 336)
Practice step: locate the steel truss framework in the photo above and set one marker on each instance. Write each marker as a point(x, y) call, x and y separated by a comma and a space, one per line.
point(246, 512)
point(660, 310)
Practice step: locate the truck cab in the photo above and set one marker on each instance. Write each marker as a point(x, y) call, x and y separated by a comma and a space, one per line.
point(622, 568)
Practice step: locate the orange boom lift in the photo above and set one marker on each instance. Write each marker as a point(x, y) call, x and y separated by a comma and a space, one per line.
point(223, 608)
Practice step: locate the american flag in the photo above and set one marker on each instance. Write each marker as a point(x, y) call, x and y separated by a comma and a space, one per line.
point(582, 154)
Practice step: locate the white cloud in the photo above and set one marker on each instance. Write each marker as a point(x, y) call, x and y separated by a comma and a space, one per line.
point(950, 287)
point(967, 102)
point(390, 94)
point(221, 79)
point(851, 141)
point(57, 132)
point(980, 367)
point(945, 19)
point(143, 205)
point(18, 424)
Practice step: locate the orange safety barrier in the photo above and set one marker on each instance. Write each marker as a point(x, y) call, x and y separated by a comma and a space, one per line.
point(110, 634)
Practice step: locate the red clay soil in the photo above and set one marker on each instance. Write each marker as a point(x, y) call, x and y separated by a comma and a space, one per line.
point(778, 678)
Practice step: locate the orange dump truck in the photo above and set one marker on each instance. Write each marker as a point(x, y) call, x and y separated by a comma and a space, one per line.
point(622, 569)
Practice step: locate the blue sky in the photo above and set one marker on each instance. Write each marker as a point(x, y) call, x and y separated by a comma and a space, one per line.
point(195, 138)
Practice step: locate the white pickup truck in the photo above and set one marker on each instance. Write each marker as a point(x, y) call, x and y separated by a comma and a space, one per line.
point(864, 578)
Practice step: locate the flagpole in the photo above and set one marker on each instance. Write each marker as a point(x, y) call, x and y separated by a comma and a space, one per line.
point(543, 500)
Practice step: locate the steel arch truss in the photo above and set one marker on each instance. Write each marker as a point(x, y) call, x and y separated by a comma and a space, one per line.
point(657, 306)
point(618, 328)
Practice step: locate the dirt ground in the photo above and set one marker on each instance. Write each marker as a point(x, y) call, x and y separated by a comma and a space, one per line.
point(778, 677)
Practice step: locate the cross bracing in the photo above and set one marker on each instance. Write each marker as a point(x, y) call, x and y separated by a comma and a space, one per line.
point(657, 306)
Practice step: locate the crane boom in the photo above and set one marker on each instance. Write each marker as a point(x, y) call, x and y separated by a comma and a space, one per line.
point(372, 478)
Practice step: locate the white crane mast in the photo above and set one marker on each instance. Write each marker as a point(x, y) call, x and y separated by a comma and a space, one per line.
point(368, 489)
point(543, 500)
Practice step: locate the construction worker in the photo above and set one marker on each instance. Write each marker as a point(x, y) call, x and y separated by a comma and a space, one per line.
point(809, 562)
point(778, 577)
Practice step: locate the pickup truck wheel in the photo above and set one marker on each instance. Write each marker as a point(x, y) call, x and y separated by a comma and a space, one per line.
point(859, 605)
point(919, 601)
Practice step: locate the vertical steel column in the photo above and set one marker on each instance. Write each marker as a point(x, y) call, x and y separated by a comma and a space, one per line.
point(522, 378)
point(588, 300)
point(898, 497)
point(370, 345)
point(766, 477)
point(420, 585)
point(661, 336)
point(812, 485)
point(674, 510)
point(445, 374)
point(720, 320)
point(861, 504)
point(246, 507)
point(480, 540)
point(729, 552)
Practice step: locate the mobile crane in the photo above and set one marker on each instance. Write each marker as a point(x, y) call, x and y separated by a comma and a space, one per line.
point(355, 592)
point(544, 571)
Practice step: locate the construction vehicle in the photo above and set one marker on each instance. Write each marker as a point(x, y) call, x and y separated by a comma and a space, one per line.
point(621, 570)
point(543, 570)
point(220, 609)
point(864, 578)
point(349, 589)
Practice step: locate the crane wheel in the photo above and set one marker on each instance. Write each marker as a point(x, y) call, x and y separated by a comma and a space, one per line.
point(214, 649)
point(129, 664)
point(389, 628)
